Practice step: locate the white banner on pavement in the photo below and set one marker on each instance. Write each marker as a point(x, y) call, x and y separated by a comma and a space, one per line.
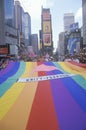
point(41, 78)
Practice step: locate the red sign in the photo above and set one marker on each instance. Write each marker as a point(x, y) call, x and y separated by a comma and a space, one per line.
point(46, 16)
point(47, 39)
point(3, 50)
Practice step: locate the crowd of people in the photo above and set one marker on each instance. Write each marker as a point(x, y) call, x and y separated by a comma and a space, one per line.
point(81, 58)
point(67, 58)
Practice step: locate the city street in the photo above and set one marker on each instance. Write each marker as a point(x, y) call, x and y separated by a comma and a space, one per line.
point(42, 65)
point(43, 96)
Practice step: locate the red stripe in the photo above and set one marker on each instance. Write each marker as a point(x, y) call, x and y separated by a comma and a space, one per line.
point(43, 116)
point(78, 64)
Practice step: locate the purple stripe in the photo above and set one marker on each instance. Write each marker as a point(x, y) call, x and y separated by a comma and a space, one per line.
point(70, 115)
point(7, 69)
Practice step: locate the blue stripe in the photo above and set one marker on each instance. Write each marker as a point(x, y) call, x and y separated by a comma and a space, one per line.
point(78, 93)
point(10, 73)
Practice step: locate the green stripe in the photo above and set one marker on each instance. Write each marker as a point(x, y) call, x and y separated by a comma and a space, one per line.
point(78, 78)
point(9, 82)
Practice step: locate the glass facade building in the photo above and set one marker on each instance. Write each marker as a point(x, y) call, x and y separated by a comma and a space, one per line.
point(2, 22)
point(18, 16)
point(9, 12)
point(23, 23)
point(84, 22)
point(34, 43)
point(27, 28)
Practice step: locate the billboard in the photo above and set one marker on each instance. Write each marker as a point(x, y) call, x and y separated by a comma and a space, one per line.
point(46, 16)
point(46, 27)
point(40, 45)
point(3, 50)
point(74, 27)
point(47, 39)
point(73, 45)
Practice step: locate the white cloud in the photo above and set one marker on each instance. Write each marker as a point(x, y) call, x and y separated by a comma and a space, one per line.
point(79, 13)
point(78, 16)
point(49, 3)
point(33, 7)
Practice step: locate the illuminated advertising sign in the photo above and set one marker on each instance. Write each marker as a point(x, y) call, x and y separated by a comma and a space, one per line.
point(74, 27)
point(74, 44)
point(3, 50)
point(46, 27)
point(40, 45)
point(47, 39)
point(46, 16)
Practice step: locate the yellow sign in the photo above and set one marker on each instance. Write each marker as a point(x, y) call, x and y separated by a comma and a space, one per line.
point(47, 44)
point(40, 45)
point(46, 27)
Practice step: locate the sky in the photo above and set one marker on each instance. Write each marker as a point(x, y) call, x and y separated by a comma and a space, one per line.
point(57, 10)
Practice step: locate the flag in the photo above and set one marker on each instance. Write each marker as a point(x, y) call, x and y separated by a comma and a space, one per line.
point(51, 104)
point(32, 54)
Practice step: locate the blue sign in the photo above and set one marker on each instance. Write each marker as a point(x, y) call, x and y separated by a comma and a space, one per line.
point(73, 44)
point(74, 27)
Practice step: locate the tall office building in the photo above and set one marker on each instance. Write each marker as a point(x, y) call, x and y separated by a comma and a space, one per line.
point(84, 22)
point(8, 34)
point(20, 22)
point(9, 12)
point(23, 22)
point(27, 28)
point(2, 22)
point(18, 16)
point(68, 20)
point(34, 43)
point(61, 44)
point(11, 34)
point(46, 24)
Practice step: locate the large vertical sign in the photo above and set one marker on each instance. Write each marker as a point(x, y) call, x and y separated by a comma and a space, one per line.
point(46, 15)
point(74, 44)
point(46, 27)
point(47, 39)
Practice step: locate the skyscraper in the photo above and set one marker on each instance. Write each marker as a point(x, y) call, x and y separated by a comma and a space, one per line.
point(8, 34)
point(27, 28)
point(46, 24)
point(20, 21)
point(2, 22)
point(9, 12)
point(84, 22)
point(61, 44)
point(34, 42)
point(18, 16)
point(68, 20)
point(23, 22)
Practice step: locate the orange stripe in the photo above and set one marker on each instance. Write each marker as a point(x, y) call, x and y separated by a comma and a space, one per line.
point(17, 116)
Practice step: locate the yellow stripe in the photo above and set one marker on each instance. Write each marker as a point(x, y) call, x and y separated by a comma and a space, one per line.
point(70, 68)
point(16, 118)
point(10, 96)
